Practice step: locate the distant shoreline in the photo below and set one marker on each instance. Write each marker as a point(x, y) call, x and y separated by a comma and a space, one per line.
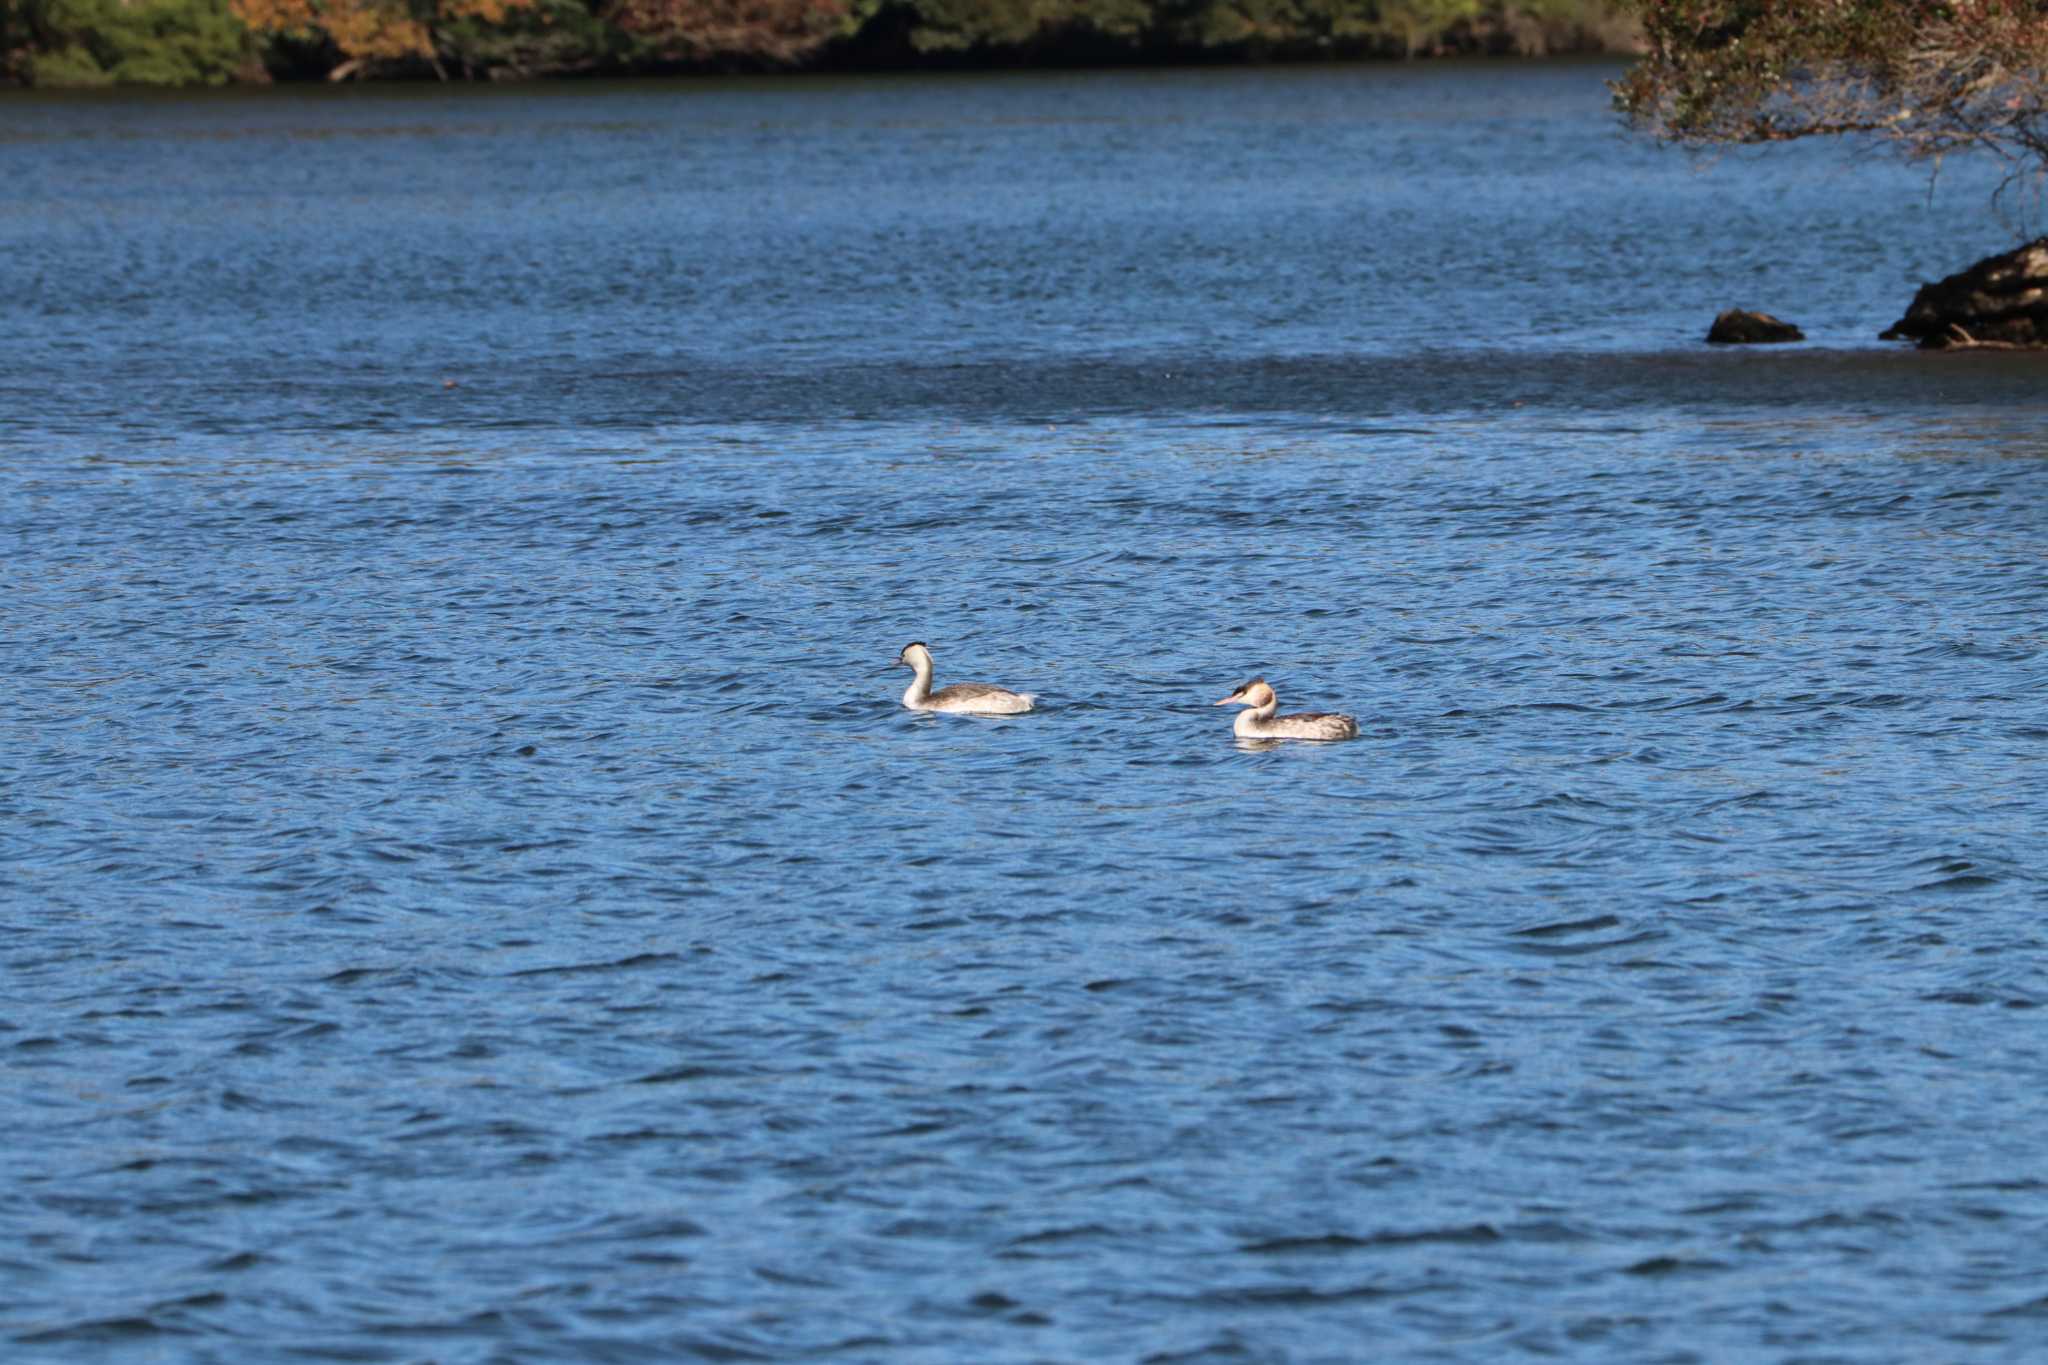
point(76, 44)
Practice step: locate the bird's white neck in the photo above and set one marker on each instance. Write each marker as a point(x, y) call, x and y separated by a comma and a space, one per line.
point(1253, 718)
point(921, 685)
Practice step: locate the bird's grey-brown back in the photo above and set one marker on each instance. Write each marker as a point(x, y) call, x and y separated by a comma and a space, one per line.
point(966, 692)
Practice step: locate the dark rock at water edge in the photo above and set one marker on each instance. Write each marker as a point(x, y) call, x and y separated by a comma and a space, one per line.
point(1740, 327)
point(2002, 301)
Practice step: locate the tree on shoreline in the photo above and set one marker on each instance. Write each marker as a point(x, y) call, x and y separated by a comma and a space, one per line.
point(367, 32)
point(1923, 77)
point(779, 32)
point(124, 42)
point(1927, 78)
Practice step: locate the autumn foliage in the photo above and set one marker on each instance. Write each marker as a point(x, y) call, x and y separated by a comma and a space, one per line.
point(367, 31)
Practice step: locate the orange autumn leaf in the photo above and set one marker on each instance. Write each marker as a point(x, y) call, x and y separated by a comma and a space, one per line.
point(368, 30)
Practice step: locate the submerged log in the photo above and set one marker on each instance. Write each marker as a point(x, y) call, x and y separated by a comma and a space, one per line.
point(1740, 327)
point(2000, 303)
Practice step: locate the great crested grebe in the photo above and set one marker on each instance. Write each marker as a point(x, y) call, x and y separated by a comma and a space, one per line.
point(968, 699)
point(1259, 722)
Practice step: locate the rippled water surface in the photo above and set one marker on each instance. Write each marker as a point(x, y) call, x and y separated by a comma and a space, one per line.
point(470, 892)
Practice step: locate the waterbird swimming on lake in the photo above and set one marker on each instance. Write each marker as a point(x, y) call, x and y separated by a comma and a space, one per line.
point(968, 699)
point(1259, 722)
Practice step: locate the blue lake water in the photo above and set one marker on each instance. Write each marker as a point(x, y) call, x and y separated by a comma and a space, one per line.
point(468, 891)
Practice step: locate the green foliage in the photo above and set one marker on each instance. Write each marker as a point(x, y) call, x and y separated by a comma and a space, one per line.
point(1265, 28)
point(1415, 22)
point(783, 33)
point(549, 37)
point(953, 25)
point(108, 42)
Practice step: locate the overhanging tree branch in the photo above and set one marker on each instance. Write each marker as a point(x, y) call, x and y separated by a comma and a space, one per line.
point(1925, 78)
